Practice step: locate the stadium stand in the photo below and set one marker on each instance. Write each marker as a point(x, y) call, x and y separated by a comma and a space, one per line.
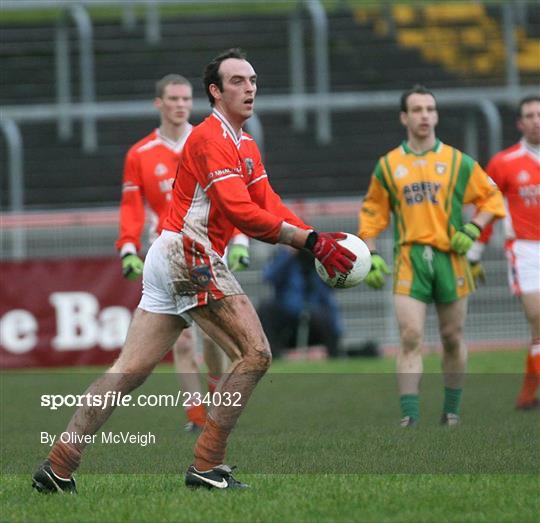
point(465, 38)
point(362, 57)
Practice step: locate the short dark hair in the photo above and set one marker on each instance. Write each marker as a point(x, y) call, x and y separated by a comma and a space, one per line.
point(415, 89)
point(527, 100)
point(169, 79)
point(211, 72)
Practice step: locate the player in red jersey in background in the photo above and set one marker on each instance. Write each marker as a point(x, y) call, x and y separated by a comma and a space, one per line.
point(516, 171)
point(221, 184)
point(149, 170)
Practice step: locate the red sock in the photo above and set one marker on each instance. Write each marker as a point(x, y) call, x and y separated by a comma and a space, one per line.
point(196, 414)
point(210, 447)
point(532, 374)
point(65, 459)
point(535, 355)
point(212, 381)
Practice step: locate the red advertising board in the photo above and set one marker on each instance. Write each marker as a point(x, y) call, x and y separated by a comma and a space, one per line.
point(64, 312)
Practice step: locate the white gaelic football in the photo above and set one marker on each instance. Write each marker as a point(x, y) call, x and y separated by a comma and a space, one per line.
point(359, 270)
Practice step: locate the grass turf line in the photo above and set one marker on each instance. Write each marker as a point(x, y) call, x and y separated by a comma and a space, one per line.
point(380, 498)
point(317, 496)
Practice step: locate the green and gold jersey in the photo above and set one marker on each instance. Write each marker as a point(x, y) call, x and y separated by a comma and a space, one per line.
point(426, 193)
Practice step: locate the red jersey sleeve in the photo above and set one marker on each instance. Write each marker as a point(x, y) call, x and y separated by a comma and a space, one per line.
point(132, 215)
point(220, 175)
point(264, 195)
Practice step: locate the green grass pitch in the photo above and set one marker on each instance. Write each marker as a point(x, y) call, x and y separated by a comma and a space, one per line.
point(318, 442)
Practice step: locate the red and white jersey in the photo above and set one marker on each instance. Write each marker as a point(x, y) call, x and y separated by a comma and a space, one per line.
point(149, 171)
point(222, 184)
point(516, 171)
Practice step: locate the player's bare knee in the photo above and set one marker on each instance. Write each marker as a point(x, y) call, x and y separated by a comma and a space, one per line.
point(451, 338)
point(258, 359)
point(265, 354)
point(265, 359)
point(411, 339)
point(451, 343)
point(183, 350)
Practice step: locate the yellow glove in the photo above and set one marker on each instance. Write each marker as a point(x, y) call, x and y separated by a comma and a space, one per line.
point(132, 267)
point(478, 272)
point(463, 239)
point(238, 257)
point(376, 275)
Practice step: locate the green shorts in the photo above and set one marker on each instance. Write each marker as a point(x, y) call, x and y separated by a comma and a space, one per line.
point(429, 275)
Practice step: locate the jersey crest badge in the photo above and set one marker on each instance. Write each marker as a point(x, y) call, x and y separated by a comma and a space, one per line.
point(160, 169)
point(523, 177)
point(400, 172)
point(249, 166)
point(440, 168)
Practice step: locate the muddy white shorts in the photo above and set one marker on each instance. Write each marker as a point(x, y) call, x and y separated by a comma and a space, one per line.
point(180, 274)
point(523, 266)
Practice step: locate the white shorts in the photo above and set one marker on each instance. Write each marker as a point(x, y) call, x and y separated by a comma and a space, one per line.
point(180, 274)
point(523, 266)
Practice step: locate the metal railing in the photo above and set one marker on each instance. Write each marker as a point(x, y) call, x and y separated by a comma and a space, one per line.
point(83, 24)
point(484, 99)
point(299, 103)
point(87, 82)
point(12, 115)
point(297, 69)
point(297, 66)
point(510, 44)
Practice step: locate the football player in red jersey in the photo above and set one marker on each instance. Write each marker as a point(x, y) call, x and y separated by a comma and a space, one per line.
point(149, 170)
point(516, 171)
point(221, 185)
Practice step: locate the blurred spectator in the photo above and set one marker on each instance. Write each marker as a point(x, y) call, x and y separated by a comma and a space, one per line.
point(303, 311)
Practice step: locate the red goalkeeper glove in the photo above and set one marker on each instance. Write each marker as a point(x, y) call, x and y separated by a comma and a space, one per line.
point(333, 256)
